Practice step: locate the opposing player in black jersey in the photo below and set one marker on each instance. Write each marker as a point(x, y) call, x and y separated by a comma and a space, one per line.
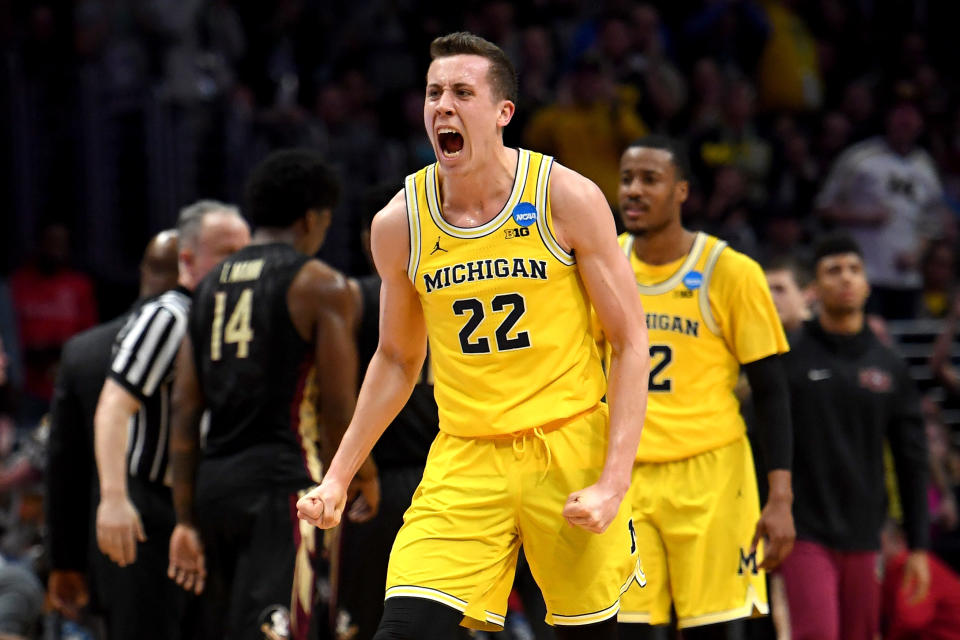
point(270, 353)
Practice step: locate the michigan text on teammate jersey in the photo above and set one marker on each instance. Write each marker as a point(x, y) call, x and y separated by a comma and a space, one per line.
point(675, 324)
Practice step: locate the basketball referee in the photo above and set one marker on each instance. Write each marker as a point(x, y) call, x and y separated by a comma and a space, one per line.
point(131, 427)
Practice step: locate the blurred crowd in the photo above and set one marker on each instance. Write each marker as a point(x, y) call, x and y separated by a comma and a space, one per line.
point(799, 116)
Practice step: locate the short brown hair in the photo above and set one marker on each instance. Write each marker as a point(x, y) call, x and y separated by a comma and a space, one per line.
point(502, 75)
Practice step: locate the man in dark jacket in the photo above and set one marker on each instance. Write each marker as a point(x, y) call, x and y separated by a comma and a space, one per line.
point(71, 489)
point(848, 393)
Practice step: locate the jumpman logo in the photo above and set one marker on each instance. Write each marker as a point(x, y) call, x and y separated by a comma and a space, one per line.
point(437, 247)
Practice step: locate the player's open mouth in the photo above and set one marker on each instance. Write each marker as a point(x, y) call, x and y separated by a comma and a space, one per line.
point(450, 141)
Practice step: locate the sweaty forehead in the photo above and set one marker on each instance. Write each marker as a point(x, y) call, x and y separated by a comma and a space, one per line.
point(465, 68)
point(647, 159)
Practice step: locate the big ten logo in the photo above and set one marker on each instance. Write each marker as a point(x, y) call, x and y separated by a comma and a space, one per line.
point(519, 232)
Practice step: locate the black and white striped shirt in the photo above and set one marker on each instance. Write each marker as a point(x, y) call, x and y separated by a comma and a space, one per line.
point(143, 356)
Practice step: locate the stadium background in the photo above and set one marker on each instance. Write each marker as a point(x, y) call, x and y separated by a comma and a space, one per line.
point(115, 113)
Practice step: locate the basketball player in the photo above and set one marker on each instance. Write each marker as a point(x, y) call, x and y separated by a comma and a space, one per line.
point(496, 254)
point(695, 504)
point(270, 354)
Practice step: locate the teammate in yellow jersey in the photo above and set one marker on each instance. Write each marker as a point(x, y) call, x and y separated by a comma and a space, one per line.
point(695, 505)
point(477, 254)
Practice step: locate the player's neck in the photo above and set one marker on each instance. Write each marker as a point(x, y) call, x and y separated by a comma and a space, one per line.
point(663, 246)
point(265, 235)
point(842, 322)
point(478, 194)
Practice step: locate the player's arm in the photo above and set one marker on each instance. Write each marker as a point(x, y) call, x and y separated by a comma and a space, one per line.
point(392, 373)
point(584, 225)
point(322, 302)
point(118, 523)
point(741, 300)
point(771, 398)
point(186, 552)
point(325, 303)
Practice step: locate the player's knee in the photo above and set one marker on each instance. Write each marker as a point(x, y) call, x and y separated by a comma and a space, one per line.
point(417, 619)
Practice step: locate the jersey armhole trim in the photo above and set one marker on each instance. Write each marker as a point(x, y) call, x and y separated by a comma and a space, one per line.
point(704, 298)
point(413, 226)
point(544, 218)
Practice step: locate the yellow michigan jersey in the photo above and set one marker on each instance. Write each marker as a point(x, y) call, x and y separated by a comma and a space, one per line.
point(707, 314)
point(694, 500)
point(507, 314)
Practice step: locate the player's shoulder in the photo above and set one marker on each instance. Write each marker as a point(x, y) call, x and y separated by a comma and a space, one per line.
point(390, 235)
point(732, 268)
point(575, 200)
point(318, 280)
point(565, 183)
point(393, 214)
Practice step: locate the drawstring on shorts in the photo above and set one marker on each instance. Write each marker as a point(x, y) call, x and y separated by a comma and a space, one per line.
point(520, 446)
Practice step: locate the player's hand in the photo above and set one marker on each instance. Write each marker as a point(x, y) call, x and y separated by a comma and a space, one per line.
point(323, 505)
point(776, 528)
point(119, 529)
point(916, 577)
point(68, 592)
point(593, 508)
point(363, 494)
point(187, 564)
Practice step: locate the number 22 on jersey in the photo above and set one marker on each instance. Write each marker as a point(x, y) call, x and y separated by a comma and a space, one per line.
point(474, 309)
point(238, 329)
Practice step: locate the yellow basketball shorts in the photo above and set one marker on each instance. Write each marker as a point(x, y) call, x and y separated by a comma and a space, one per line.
point(481, 498)
point(695, 520)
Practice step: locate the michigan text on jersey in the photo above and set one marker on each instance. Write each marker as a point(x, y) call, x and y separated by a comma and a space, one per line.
point(485, 270)
point(675, 324)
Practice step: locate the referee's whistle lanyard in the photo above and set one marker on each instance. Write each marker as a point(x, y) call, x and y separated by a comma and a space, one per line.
point(520, 446)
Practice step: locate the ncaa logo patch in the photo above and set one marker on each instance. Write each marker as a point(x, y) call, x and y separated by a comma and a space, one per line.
point(693, 280)
point(525, 214)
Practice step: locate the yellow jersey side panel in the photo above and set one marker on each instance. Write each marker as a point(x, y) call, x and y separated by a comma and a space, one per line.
point(507, 314)
point(700, 331)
